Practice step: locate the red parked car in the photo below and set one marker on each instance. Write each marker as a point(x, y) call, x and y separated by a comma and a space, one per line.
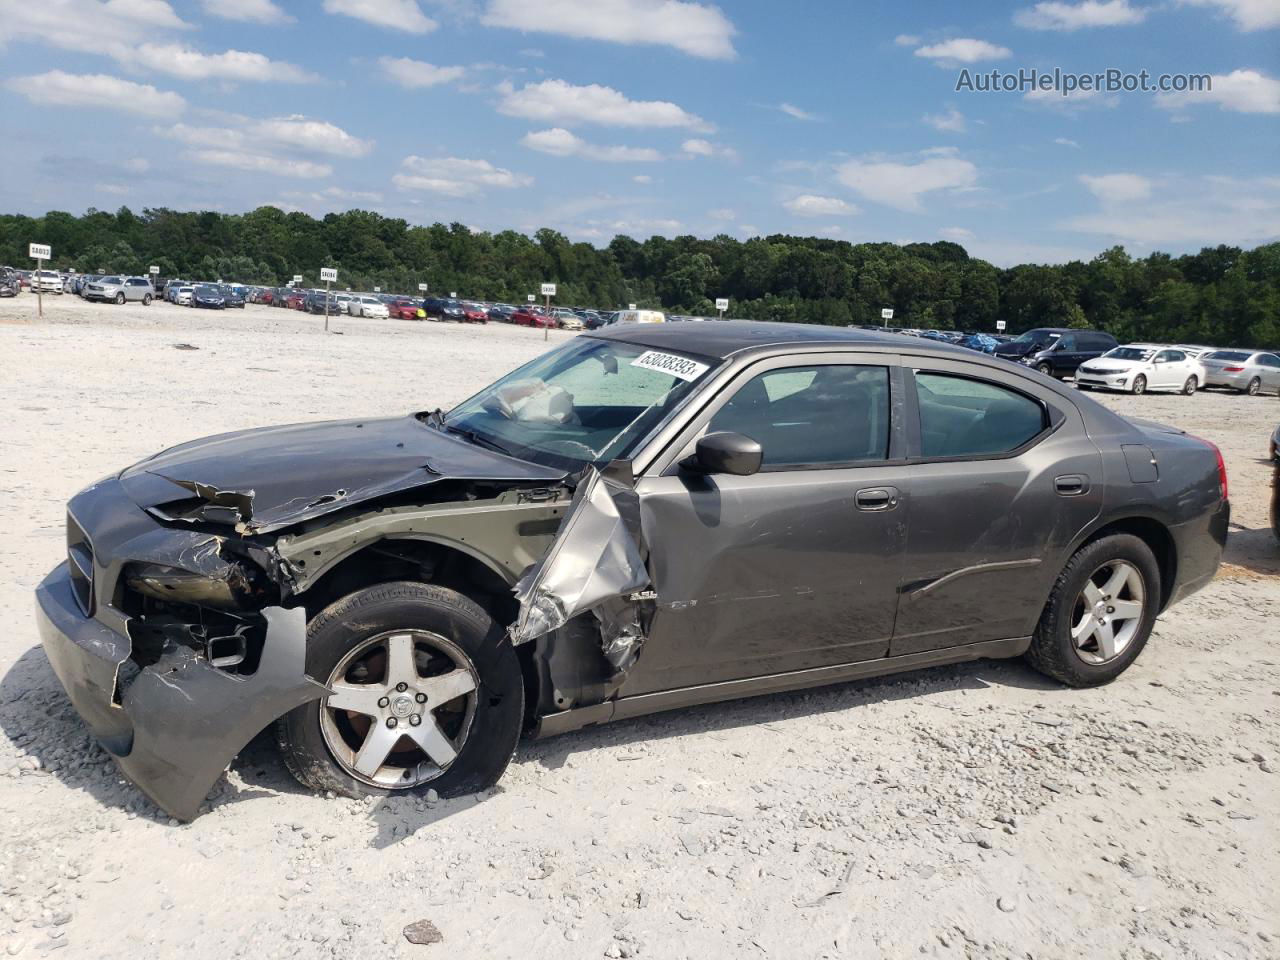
point(474, 313)
point(532, 317)
point(295, 301)
point(406, 309)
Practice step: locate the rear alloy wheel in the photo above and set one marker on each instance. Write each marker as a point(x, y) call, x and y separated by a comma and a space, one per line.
point(146, 299)
point(120, 298)
point(1099, 614)
point(1189, 388)
point(1254, 388)
point(425, 692)
point(1139, 384)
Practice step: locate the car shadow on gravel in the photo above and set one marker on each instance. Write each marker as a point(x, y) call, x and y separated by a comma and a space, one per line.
point(37, 716)
point(1253, 551)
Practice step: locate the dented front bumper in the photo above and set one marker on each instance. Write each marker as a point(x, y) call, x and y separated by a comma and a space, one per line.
point(177, 724)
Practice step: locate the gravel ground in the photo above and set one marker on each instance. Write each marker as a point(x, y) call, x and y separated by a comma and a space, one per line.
point(972, 811)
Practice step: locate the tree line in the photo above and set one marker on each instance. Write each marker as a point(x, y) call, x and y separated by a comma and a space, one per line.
point(1221, 295)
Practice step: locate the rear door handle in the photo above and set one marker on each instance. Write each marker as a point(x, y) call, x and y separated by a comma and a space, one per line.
point(1071, 485)
point(876, 498)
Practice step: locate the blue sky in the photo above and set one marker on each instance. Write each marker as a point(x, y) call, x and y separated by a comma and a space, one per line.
point(644, 117)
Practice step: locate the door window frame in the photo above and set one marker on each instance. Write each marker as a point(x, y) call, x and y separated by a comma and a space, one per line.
point(666, 462)
point(1053, 417)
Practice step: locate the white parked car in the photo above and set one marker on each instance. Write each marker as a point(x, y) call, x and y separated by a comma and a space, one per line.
point(369, 307)
point(183, 297)
point(1249, 371)
point(1139, 367)
point(120, 290)
point(46, 281)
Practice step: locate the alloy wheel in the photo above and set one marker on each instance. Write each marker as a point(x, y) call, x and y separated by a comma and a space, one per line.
point(1189, 388)
point(1139, 384)
point(400, 708)
point(1108, 612)
point(1255, 387)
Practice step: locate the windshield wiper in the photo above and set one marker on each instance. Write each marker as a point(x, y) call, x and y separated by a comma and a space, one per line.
point(477, 438)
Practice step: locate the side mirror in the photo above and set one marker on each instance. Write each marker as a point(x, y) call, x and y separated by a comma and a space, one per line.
point(731, 453)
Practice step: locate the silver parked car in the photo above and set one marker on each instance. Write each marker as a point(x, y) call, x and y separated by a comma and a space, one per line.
point(120, 289)
point(1250, 371)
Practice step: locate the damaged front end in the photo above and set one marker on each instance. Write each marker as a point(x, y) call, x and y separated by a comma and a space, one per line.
point(173, 645)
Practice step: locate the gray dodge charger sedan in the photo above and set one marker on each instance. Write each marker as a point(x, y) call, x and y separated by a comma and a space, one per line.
point(641, 519)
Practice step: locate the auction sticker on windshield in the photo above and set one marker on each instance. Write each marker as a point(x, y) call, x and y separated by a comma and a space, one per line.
point(677, 366)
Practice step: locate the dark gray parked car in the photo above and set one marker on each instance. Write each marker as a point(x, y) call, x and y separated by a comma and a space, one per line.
point(645, 518)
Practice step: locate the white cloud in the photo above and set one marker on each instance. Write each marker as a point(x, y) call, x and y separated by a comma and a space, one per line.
point(809, 205)
point(642, 178)
point(697, 29)
point(251, 11)
point(1066, 142)
point(906, 39)
point(901, 185)
point(964, 50)
point(956, 234)
point(275, 136)
point(96, 90)
point(182, 61)
point(403, 15)
point(1117, 187)
point(1242, 91)
point(1073, 100)
point(951, 122)
point(455, 176)
point(261, 163)
point(412, 74)
point(559, 142)
point(1248, 14)
point(791, 110)
point(88, 26)
point(723, 214)
point(115, 189)
point(1192, 212)
point(698, 147)
point(566, 105)
point(1091, 13)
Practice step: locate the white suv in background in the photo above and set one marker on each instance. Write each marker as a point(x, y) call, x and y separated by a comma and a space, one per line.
point(1139, 367)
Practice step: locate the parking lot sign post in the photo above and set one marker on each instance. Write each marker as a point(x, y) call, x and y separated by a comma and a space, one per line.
point(885, 316)
point(328, 275)
point(722, 304)
point(40, 252)
point(1000, 325)
point(548, 291)
point(422, 288)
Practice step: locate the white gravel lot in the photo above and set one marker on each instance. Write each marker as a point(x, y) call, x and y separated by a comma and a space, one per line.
point(972, 811)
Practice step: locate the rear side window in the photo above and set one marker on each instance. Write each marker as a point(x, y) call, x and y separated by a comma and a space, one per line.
point(960, 417)
point(820, 416)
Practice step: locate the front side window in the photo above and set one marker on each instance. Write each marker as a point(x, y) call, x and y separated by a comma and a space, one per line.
point(826, 415)
point(960, 417)
point(587, 402)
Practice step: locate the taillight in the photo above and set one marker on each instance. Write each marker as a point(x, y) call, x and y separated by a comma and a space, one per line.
point(1222, 465)
point(1233, 369)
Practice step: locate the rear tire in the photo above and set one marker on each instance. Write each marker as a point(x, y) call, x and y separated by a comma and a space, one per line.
point(1139, 385)
point(1189, 388)
point(1254, 388)
point(1055, 653)
point(485, 740)
point(146, 299)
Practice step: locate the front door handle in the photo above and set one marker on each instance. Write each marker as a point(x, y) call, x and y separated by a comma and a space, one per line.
point(1071, 485)
point(876, 498)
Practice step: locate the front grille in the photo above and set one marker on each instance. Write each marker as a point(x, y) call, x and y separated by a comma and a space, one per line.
point(80, 565)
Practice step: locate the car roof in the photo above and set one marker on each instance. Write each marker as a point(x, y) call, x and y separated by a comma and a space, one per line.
point(724, 338)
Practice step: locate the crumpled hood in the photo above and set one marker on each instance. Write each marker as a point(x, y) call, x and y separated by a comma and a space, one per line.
point(1015, 349)
point(269, 478)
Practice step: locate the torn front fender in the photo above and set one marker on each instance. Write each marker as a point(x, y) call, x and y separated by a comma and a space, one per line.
point(595, 558)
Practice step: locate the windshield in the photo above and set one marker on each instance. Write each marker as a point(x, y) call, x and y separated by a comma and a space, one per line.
point(1129, 353)
point(1038, 337)
point(111, 280)
point(1235, 356)
point(589, 401)
point(208, 290)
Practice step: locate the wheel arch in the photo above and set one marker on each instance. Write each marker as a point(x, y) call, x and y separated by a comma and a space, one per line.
point(428, 559)
point(1150, 530)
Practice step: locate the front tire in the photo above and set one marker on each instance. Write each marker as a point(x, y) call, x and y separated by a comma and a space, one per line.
point(1045, 369)
point(120, 299)
point(1100, 612)
point(1139, 385)
point(427, 694)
